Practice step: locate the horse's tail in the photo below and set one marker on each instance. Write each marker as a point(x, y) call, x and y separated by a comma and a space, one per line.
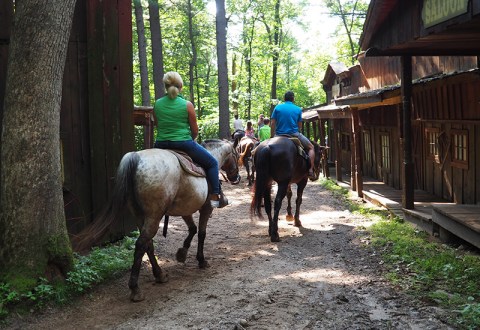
point(123, 193)
point(248, 148)
point(262, 168)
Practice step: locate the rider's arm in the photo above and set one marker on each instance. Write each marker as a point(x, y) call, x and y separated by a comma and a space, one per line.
point(299, 124)
point(192, 120)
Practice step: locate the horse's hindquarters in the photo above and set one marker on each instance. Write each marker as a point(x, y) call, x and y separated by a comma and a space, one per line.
point(164, 187)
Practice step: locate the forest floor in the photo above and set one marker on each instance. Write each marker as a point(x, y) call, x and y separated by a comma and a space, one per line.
point(324, 275)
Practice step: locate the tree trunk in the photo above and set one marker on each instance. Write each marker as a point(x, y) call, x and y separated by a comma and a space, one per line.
point(276, 42)
point(33, 235)
point(234, 85)
point(193, 61)
point(157, 48)
point(221, 29)
point(142, 53)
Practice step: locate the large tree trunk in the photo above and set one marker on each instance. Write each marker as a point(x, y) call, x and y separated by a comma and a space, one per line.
point(157, 48)
point(33, 236)
point(221, 29)
point(142, 53)
point(193, 61)
point(276, 43)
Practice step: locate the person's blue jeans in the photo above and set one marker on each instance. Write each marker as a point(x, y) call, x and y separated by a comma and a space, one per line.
point(199, 155)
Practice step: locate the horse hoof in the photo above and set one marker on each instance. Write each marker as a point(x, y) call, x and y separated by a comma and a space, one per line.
point(181, 255)
point(298, 223)
point(136, 295)
point(204, 264)
point(163, 278)
point(275, 238)
point(289, 217)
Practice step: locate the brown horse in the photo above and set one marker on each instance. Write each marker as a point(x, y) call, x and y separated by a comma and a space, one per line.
point(245, 148)
point(278, 159)
point(153, 183)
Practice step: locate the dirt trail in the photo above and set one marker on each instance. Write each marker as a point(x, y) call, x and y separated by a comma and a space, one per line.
point(321, 276)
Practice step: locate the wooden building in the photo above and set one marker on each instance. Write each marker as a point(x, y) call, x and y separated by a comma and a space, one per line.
point(412, 109)
point(97, 103)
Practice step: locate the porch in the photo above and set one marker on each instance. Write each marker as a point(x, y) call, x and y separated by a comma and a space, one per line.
point(447, 221)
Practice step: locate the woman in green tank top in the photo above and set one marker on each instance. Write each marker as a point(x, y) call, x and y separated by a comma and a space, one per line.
point(177, 128)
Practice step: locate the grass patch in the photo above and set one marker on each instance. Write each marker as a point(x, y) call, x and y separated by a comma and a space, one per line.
point(431, 271)
point(101, 264)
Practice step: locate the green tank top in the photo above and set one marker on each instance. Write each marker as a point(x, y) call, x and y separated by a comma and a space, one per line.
point(172, 118)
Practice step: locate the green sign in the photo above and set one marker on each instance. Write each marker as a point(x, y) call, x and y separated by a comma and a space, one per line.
point(438, 11)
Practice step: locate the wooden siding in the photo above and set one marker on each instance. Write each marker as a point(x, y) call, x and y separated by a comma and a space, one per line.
point(396, 28)
point(110, 99)
point(385, 71)
point(449, 104)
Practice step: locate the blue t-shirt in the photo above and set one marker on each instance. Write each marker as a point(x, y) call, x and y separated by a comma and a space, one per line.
point(286, 115)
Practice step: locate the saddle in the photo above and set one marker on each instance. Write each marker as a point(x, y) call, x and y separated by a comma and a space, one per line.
point(300, 148)
point(187, 163)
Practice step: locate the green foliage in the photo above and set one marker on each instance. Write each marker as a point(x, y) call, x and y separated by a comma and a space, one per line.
point(100, 265)
point(208, 128)
point(426, 269)
point(352, 14)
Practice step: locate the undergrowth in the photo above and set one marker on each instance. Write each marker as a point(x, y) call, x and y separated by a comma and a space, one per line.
point(101, 264)
point(431, 271)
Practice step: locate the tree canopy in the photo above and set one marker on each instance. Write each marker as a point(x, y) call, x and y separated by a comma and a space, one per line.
point(265, 57)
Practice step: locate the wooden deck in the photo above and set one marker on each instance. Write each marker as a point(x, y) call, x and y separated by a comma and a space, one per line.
point(432, 214)
point(461, 220)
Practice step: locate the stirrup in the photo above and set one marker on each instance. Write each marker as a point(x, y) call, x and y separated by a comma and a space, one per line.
point(218, 201)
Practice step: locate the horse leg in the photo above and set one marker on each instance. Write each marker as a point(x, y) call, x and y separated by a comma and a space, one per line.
point(249, 178)
point(205, 213)
point(147, 231)
point(192, 230)
point(141, 246)
point(300, 187)
point(267, 203)
point(289, 216)
point(281, 192)
point(160, 276)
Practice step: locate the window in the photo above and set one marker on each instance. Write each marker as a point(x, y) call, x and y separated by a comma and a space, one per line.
point(459, 148)
point(367, 147)
point(433, 152)
point(385, 150)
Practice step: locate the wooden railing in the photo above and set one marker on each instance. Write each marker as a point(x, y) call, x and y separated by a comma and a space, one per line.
point(144, 116)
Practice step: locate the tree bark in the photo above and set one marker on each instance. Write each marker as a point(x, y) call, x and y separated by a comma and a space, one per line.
point(33, 235)
point(157, 48)
point(221, 29)
point(275, 55)
point(193, 61)
point(142, 53)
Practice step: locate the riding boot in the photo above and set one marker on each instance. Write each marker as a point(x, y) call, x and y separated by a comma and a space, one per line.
point(218, 200)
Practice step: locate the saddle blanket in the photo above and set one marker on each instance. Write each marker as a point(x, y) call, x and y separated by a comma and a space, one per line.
point(187, 163)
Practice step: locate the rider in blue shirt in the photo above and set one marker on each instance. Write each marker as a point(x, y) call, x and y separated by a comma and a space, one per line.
point(286, 119)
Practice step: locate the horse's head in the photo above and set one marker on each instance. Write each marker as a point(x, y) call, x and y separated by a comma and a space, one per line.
point(318, 157)
point(226, 156)
point(230, 166)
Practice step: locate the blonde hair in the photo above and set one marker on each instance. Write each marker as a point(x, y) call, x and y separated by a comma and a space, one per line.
point(173, 83)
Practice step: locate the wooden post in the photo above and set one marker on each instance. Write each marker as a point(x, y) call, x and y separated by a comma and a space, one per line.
point(338, 151)
point(353, 178)
point(357, 151)
point(408, 175)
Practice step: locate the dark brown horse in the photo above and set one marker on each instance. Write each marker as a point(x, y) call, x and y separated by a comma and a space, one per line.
point(245, 148)
point(278, 159)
